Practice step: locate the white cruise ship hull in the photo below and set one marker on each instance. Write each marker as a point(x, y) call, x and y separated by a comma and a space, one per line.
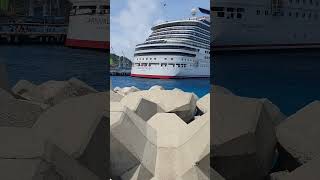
point(88, 30)
point(290, 28)
point(169, 72)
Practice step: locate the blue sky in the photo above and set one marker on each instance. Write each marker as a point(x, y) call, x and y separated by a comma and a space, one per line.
point(131, 20)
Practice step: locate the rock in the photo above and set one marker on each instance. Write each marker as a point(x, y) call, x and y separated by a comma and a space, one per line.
point(127, 90)
point(204, 103)
point(156, 87)
point(4, 83)
point(278, 175)
point(87, 142)
point(53, 92)
point(181, 103)
point(298, 136)
point(115, 97)
point(132, 141)
point(242, 131)
point(309, 170)
point(17, 113)
point(274, 111)
point(221, 90)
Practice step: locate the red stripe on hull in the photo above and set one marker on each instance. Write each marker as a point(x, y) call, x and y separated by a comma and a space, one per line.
point(87, 44)
point(165, 77)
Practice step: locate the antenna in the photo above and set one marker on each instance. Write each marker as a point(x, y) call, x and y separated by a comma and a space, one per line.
point(193, 12)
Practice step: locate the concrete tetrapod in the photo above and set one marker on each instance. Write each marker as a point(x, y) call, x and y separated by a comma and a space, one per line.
point(181, 103)
point(156, 87)
point(204, 103)
point(143, 149)
point(133, 142)
point(86, 143)
point(126, 90)
point(308, 171)
point(242, 131)
point(183, 146)
point(298, 137)
point(17, 113)
point(52, 92)
point(24, 155)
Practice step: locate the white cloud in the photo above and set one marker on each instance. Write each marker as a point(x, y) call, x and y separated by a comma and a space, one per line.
point(132, 24)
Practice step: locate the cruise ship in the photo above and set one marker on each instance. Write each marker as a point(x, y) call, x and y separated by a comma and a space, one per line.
point(175, 49)
point(265, 24)
point(89, 24)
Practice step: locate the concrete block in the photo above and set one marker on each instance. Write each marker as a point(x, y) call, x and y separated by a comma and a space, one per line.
point(156, 87)
point(204, 103)
point(242, 131)
point(52, 92)
point(181, 103)
point(88, 140)
point(17, 113)
point(298, 136)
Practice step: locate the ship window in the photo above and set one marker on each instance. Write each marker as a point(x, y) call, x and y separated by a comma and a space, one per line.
point(290, 14)
point(220, 14)
point(165, 58)
point(309, 15)
point(297, 1)
point(171, 58)
point(304, 1)
point(240, 10)
point(266, 12)
point(239, 16)
point(290, 1)
point(304, 15)
point(217, 8)
point(317, 3)
point(297, 14)
point(154, 58)
point(311, 2)
point(230, 9)
point(258, 12)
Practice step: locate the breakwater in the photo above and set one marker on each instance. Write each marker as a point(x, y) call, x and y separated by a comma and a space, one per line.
point(52, 130)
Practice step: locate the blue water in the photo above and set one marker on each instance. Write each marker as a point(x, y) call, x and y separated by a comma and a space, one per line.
point(289, 79)
point(199, 86)
point(38, 63)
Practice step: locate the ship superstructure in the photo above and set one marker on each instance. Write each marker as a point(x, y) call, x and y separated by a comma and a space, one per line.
point(175, 49)
point(265, 24)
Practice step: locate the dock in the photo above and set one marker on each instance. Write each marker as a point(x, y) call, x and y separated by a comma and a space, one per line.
point(122, 72)
point(35, 32)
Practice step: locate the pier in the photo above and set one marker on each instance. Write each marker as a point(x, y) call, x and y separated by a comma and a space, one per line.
point(33, 32)
point(121, 72)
